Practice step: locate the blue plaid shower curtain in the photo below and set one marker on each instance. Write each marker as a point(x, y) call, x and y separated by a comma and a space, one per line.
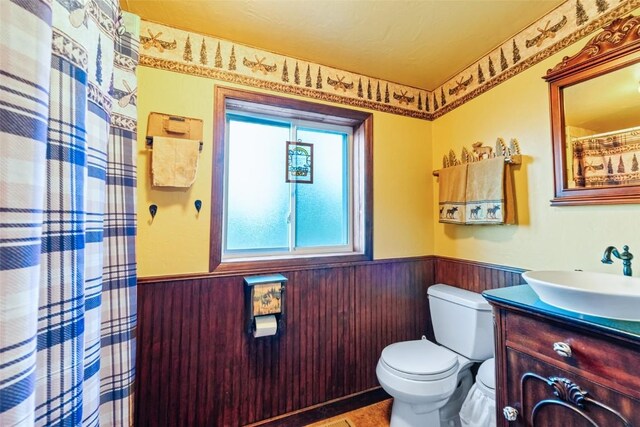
point(67, 212)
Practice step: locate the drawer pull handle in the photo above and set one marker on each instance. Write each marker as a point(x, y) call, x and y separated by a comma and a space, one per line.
point(510, 413)
point(562, 348)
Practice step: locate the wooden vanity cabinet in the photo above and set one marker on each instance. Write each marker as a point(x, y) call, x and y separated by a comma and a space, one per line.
point(555, 372)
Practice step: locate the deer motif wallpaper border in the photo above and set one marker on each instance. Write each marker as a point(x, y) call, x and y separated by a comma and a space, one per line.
point(186, 52)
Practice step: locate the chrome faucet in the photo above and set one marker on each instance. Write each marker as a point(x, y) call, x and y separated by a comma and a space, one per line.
point(625, 256)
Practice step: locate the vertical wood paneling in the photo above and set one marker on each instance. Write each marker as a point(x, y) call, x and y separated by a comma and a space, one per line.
point(197, 366)
point(475, 276)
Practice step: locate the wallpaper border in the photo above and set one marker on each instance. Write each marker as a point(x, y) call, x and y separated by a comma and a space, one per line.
point(200, 71)
point(577, 33)
point(181, 51)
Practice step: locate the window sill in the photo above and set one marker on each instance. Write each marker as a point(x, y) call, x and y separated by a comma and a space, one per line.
point(285, 264)
point(290, 256)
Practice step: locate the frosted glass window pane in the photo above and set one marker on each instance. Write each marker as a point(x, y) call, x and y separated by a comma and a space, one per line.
point(258, 198)
point(322, 207)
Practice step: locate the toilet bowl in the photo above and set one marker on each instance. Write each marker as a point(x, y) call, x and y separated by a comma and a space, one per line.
point(423, 377)
point(479, 408)
point(429, 381)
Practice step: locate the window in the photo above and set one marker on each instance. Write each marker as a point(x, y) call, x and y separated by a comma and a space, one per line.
point(317, 212)
point(266, 215)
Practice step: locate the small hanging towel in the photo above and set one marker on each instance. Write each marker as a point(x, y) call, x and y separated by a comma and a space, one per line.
point(174, 161)
point(489, 193)
point(453, 183)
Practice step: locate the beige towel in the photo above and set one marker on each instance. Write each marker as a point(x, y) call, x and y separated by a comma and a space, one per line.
point(489, 193)
point(174, 161)
point(453, 182)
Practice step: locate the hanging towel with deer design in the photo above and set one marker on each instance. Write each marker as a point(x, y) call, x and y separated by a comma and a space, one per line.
point(489, 193)
point(453, 182)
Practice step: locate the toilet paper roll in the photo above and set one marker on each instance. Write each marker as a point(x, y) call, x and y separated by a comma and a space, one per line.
point(265, 326)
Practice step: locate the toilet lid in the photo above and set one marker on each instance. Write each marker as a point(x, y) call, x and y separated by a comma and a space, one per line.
point(486, 373)
point(420, 357)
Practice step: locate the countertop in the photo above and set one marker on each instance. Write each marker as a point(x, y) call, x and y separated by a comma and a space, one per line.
point(523, 297)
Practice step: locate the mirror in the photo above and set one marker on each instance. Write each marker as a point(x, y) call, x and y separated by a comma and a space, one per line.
point(595, 119)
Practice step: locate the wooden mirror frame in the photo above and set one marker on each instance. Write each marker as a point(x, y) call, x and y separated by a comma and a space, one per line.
point(615, 47)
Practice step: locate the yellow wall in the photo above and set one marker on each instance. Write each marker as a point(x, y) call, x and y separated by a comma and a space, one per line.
point(177, 241)
point(546, 237)
point(405, 194)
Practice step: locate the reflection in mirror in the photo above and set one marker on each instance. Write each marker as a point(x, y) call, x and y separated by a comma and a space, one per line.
point(602, 130)
point(594, 98)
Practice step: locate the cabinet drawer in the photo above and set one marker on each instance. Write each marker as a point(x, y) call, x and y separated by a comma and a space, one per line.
point(525, 395)
point(615, 364)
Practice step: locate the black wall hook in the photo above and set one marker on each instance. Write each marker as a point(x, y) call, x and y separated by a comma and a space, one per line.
point(198, 205)
point(153, 209)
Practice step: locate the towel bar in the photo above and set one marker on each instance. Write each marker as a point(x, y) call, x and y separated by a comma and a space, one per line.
point(479, 152)
point(515, 159)
point(149, 143)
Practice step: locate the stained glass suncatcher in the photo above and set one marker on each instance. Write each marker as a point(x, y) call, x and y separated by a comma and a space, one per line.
point(299, 162)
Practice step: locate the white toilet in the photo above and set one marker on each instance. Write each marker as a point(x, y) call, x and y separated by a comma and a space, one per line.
point(429, 382)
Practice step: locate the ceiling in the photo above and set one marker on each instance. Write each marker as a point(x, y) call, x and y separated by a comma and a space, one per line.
point(419, 43)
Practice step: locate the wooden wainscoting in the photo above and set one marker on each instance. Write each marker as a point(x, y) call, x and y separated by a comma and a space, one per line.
point(198, 367)
point(475, 276)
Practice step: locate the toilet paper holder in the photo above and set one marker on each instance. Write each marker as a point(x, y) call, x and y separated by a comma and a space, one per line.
point(265, 296)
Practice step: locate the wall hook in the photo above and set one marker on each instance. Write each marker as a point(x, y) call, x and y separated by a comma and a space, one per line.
point(153, 209)
point(198, 205)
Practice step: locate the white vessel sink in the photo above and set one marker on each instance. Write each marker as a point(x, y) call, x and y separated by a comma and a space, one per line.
point(596, 294)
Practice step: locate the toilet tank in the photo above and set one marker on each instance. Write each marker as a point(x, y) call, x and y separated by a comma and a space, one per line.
point(462, 321)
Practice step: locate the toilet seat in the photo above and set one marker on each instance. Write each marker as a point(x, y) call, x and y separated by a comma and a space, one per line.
point(419, 360)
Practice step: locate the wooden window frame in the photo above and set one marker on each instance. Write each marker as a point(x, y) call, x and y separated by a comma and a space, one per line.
point(362, 124)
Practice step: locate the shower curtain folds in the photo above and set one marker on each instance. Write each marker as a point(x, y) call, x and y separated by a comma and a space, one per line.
point(67, 212)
